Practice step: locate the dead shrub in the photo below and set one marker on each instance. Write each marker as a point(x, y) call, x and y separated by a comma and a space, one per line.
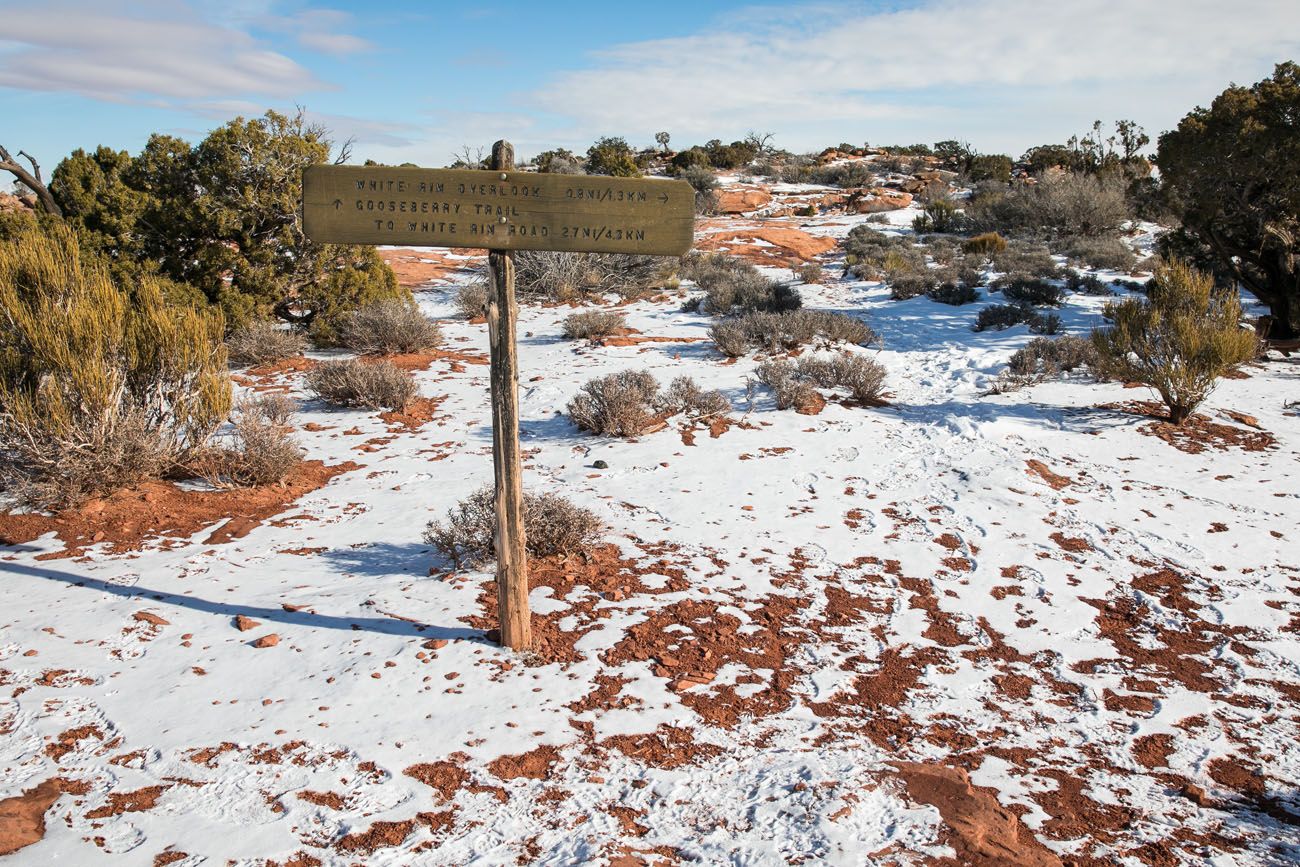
point(1106, 252)
point(388, 327)
point(684, 397)
point(472, 299)
point(811, 273)
point(793, 383)
point(351, 382)
point(592, 324)
point(262, 343)
point(1021, 257)
point(954, 292)
point(733, 285)
point(905, 287)
point(256, 452)
point(1042, 359)
point(552, 525)
point(618, 405)
point(873, 255)
point(273, 408)
point(774, 332)
point(862, 377)
point(627, 403)
point(549, 275)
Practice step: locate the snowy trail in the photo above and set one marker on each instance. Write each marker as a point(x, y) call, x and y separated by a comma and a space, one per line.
point(860, 587)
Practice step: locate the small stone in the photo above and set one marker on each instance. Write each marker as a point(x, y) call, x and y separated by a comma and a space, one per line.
point(267, 641)
point(150, 617)
point(243, 624)
point(600, 465)
point(435, 644)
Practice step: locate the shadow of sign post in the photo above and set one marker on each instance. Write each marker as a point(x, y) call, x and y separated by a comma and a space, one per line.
point(503, 210)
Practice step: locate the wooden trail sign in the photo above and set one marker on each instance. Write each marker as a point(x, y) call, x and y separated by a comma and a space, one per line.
point(502, 210)
point(498, 209)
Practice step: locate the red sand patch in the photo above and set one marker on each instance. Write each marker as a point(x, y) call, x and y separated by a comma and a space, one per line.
point(982, 831)
point(1038, 468)
point(128, 519)
point(415, 268)
point(129, 802)
point(413, 416)
point(22, 818)
point(537, 764)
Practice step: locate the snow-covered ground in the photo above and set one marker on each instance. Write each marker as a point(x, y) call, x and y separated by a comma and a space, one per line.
point(1099, 627)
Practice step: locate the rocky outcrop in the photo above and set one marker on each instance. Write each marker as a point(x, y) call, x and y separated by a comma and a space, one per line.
point(879, 199)
point(768, 245)
point(742, 200)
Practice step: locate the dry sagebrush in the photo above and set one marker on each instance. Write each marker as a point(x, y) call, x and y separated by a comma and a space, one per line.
point(778, 332)
point(552, 525)
point(792, 383)
point(592, 324)
point(377, 385)
point(388, 327)
point(263, 342)
point(258, 450)
point(100, 386)
point(626, 403)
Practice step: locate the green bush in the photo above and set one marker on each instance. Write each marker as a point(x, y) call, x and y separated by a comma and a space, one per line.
point(101, 387)
point(732, 156)
point(1000, 316)
point(690, 158)
point(223, 217)
point(954, 292)
point(905, 287)
point(871, 255)
point(989, 167)
point(612, 156)
point(1178, 341)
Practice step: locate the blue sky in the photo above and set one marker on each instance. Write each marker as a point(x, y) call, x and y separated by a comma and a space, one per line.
point(416, 81)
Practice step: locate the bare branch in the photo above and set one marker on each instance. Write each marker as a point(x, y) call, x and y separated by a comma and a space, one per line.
point(31, 181)
point(36, 167)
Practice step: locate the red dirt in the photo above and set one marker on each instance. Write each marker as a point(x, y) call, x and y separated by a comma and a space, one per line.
point(667, 747)
point(445, 777)
point(129, 802)
point(332, 800)
point(1153, 751)
point(414, 415)
point(1198, 433)
point(537, 764)
point(982, 831)
point(1040, 469)
point(22, 817)
point(415, 268)
point(129, 519)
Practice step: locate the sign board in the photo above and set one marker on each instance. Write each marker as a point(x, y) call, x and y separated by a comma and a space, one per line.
point(499, 210)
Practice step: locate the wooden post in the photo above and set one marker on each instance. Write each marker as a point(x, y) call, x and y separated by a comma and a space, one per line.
point(512, 562)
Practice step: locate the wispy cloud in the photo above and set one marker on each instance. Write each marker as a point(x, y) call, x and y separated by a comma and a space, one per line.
point(142, 52)
point(945, 60)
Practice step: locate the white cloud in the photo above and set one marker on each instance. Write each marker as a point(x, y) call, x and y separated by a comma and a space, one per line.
point(129, 52)
point(1002, 72)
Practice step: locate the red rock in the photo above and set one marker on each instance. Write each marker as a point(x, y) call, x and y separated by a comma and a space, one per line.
point(880, 199)
point(741, 200)
point(243, 624)
point(267, 641)
point(435, 644)
point(150, 617)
